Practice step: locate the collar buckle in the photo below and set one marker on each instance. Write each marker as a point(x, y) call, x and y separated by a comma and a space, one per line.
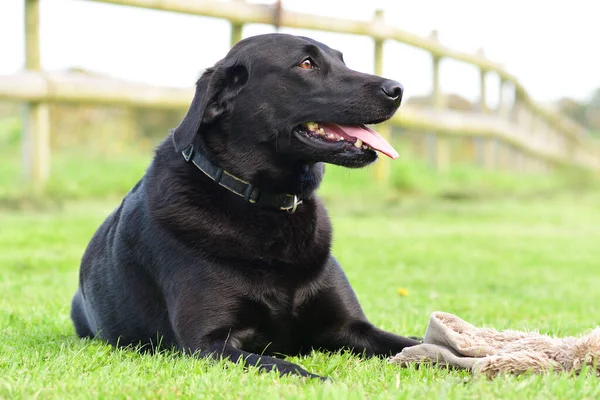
point(188, 152)
point(292, 209)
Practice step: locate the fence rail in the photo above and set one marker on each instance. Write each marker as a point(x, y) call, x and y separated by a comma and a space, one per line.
point(532, 136)
point(37, 87)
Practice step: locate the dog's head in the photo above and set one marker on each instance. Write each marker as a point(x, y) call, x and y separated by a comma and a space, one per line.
point(289, 99)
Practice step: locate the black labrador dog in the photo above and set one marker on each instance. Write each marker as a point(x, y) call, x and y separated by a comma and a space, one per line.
point(222, 249)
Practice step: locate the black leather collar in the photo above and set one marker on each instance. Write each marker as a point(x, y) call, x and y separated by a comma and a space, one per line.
point(250, 193)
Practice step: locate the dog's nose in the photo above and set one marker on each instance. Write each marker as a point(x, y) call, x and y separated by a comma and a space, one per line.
point(393, 90)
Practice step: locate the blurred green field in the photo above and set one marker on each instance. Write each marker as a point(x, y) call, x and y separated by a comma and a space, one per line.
point(496, 249)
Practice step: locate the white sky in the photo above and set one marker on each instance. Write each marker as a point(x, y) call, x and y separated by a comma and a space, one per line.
point(549, 45)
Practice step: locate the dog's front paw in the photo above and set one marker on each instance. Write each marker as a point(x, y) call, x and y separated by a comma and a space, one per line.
point(321, 378)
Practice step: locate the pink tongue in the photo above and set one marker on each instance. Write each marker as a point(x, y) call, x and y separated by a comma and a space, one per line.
point(366, 134)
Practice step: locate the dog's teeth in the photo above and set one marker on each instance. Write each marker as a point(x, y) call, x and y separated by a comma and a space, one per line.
point(340, 139)
point(365, 147)
point(312, 126)
point(330, 136)
point(358, 143)
point(321, 131)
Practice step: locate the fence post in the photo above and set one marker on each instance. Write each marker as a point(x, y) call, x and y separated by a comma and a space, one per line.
point(236, 32)
point(516, 119)
point(501, 148)
point(36, 127)
point(482, 87)
point(439, 146)
point(236, 29)
point(382, 165)
point(501, 110)
point(487, 145)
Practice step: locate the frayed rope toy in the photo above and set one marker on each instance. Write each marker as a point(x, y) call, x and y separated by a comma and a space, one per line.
point(450, 341)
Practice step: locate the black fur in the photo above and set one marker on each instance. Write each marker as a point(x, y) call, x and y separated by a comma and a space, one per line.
point(186, 263)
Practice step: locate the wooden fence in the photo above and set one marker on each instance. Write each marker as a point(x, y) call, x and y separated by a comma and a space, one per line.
point(520, 136)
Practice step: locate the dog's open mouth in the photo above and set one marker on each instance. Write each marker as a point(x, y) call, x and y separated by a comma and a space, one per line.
point(346, 137)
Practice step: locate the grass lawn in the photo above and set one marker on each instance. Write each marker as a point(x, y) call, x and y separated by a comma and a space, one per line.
point(528, 263)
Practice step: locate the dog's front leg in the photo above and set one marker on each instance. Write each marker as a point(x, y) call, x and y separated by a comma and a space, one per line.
point(222, 351)
point(337, 321)
point(202, 327)
point(364, 338)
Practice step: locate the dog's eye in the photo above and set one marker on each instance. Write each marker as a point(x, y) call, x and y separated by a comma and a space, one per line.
point(307, 64)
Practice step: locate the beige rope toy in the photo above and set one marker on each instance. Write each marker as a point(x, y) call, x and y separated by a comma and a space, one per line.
point(450, 341)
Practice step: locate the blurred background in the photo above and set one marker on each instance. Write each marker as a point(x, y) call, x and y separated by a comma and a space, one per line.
point(496, 92)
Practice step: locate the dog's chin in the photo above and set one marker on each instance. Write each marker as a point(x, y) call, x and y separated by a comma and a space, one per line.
point(342, 153)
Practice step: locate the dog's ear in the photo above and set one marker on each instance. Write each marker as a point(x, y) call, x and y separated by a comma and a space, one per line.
point(215, 90)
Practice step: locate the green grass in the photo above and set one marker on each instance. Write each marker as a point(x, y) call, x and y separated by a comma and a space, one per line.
point(506, 263)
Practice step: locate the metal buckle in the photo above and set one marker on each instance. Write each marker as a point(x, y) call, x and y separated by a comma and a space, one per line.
point(292, 209)
point(188, 152)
